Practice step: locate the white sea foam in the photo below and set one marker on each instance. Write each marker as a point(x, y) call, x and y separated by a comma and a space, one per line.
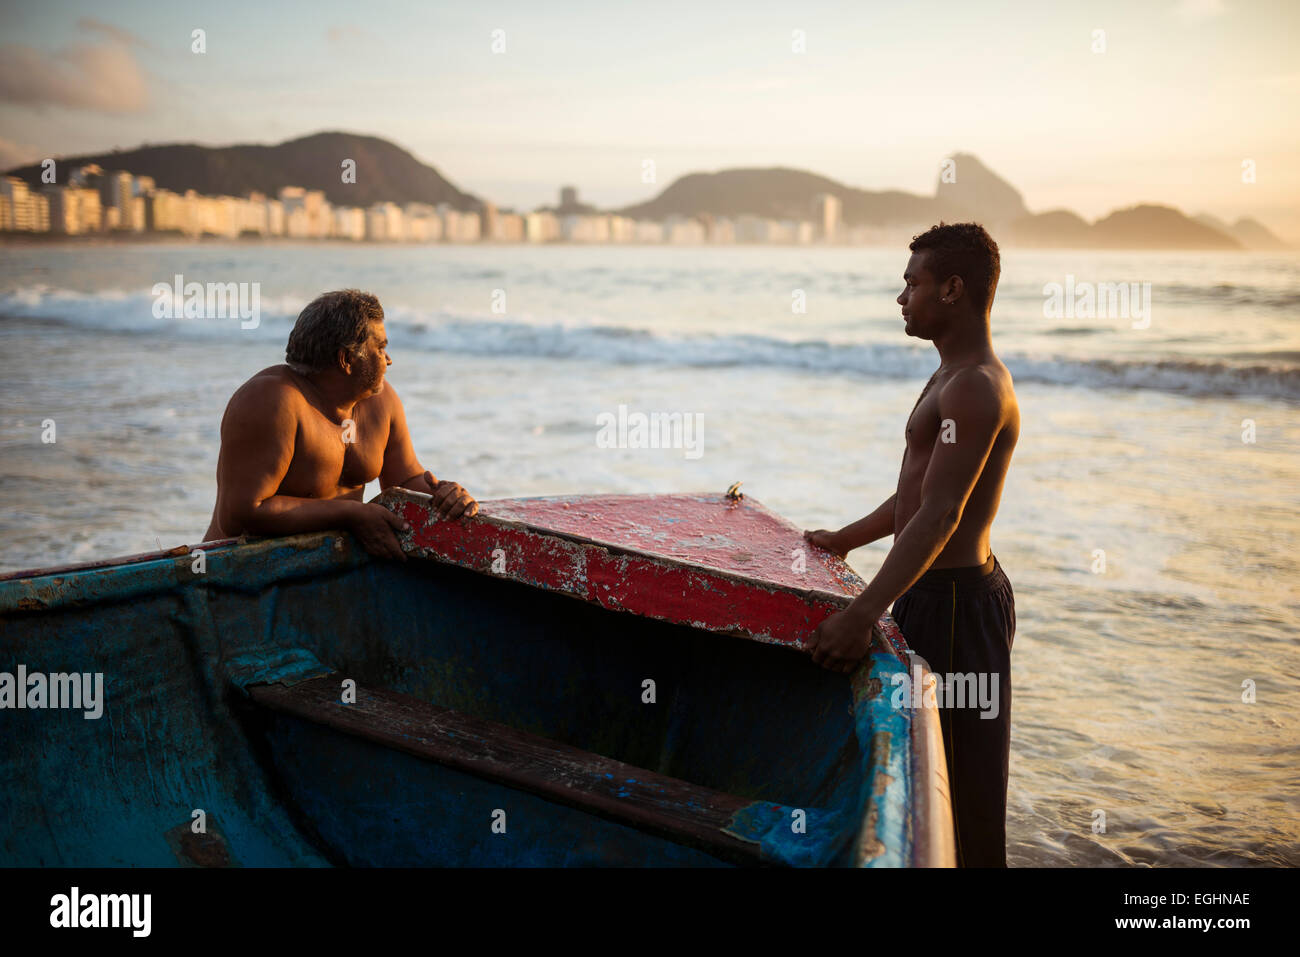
point(528, 337)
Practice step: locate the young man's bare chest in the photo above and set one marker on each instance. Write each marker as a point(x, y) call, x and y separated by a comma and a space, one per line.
point(924, 423)
point(922, 430)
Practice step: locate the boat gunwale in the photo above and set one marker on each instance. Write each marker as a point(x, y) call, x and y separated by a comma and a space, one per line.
point(393, 498)
point(884, 631)
point(416, 497)
point(933, 837)
point(621, 550)
point(138, 558)
point(89, 584)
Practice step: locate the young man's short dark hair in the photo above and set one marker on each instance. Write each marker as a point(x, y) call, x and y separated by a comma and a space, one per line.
point(965, 250)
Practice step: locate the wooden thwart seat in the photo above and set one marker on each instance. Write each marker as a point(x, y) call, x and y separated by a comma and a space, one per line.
point(632, 796)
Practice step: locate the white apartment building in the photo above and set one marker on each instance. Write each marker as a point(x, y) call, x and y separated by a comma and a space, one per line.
point(350, 223)
point(423, 224)
point(541, 227)
point(828, 217)
point(648, 231)
point(683, 231)
point(27, 211)
point(508, 228)
point(384, 223)
point(75, 210)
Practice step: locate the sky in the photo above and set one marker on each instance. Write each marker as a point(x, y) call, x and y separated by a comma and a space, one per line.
point(1182, 93)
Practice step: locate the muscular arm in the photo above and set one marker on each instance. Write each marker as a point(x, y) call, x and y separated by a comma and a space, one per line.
point(871, 528)
point(972, 402)
point(856, 534)
point(403, 469)
point(258, 435)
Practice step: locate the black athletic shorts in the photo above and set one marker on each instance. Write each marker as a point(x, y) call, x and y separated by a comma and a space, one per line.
point(962, 620)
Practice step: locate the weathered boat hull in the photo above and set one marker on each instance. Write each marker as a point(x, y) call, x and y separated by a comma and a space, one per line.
point(495, 724)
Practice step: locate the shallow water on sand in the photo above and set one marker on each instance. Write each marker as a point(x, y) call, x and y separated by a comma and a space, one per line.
point(1128, 684)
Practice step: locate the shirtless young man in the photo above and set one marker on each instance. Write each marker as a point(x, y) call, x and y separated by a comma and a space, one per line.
point(300, 441)
point(950, 597)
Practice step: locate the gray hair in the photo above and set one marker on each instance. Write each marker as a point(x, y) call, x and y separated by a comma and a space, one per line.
point(330, 322)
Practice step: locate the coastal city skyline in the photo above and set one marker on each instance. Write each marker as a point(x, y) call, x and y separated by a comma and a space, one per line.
point(510, 102)
point(91, 200)
point(80, 197)
point(335, 185)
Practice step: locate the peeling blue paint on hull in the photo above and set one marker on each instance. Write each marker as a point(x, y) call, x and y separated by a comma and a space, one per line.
point(180, 651)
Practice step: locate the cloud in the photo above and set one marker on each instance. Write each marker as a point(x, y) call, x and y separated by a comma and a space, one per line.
point(350, 36)
point(104, 77)
point(125, 37)
point(1197, 10)
point(13, 155)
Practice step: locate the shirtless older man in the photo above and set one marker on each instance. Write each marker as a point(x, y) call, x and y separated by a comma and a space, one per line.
point(300, 441)
point(950, 597)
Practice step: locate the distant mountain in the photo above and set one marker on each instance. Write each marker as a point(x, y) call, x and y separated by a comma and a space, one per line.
point(1057, 227)
point(976, 193)
point(1254, 235)
point(780, 193)
point(384, 171)
point(977, 189)
point(1157, 227)
point(1214, 222)
point(1139, 227)
point(1249, 232)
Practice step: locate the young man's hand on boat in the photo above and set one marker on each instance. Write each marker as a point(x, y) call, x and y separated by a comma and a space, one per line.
point(831, 541)
point(843, 639)
point(856, 534)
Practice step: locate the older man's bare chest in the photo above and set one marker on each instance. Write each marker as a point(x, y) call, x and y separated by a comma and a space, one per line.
point(333, 459)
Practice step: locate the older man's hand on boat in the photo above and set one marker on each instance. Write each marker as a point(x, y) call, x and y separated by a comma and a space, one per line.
point(841, 641)
point(450, 499)
point(376, 528)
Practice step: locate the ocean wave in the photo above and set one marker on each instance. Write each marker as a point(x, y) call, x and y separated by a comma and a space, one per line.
point(1281, 297)
point(615, 345)
point(1237, 294)
point(1074, 331)
point(525, 337)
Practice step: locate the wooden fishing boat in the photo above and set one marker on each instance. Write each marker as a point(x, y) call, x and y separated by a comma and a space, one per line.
point(590, 680)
